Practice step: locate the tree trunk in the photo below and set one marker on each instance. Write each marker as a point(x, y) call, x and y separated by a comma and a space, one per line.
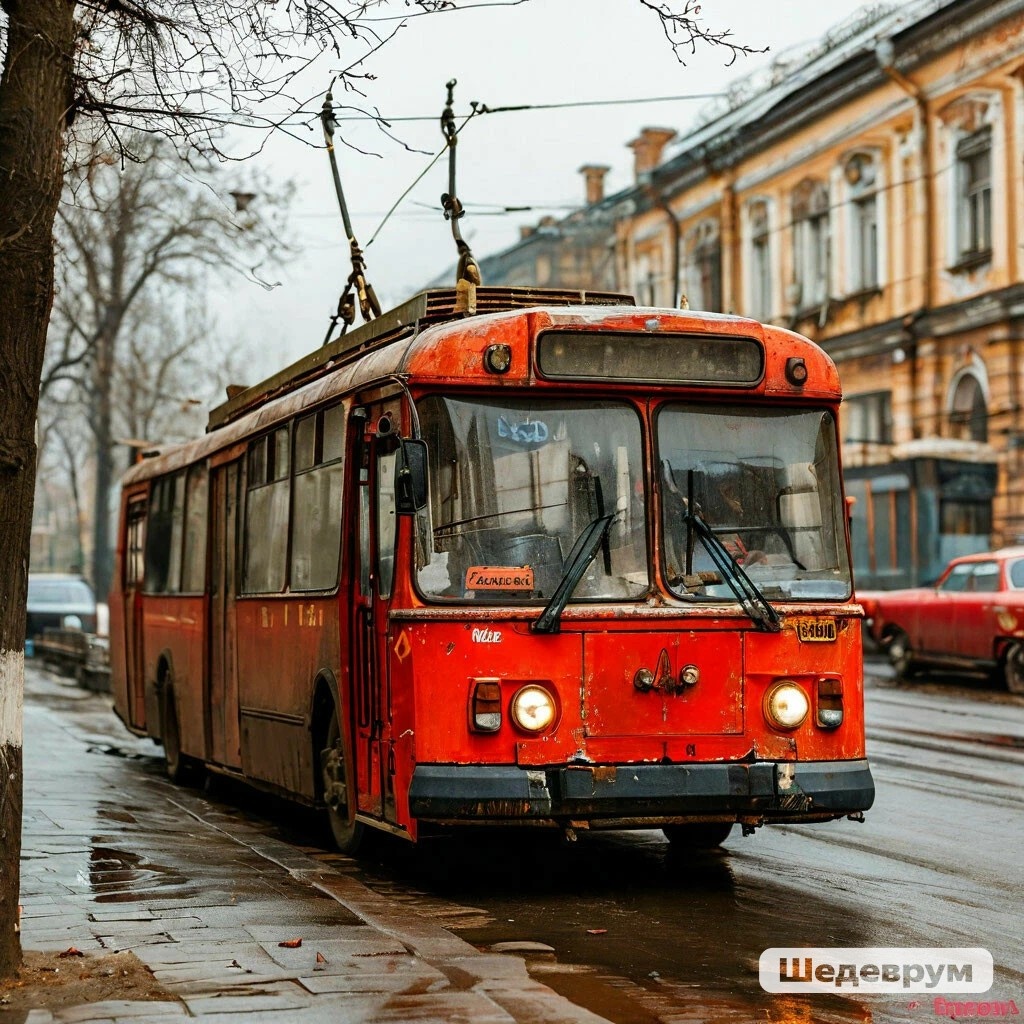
point(34, 95)
point(100, 418)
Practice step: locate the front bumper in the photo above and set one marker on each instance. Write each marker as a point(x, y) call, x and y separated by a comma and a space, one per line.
point(645, 793)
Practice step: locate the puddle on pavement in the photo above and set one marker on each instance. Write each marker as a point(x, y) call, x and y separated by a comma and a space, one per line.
point(113, 751)
point(122, 816)
point(625, 1002)
point(116, 876)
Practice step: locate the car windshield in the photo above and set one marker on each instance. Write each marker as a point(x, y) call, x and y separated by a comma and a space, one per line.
point(59, 592)
point(766, 484)
point(513, 484)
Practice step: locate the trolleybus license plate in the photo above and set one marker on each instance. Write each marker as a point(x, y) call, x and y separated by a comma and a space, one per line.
point(816, 630)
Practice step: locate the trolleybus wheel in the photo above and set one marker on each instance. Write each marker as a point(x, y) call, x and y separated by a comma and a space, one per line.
point(181, 768)
point(900, 653)
point(347, 832)
point(1013, 668)
point(701, 835)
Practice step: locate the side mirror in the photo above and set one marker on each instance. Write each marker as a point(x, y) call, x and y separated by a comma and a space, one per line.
point(411, 478)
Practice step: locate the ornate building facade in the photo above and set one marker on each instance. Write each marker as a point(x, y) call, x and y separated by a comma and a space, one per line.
point(869, 195)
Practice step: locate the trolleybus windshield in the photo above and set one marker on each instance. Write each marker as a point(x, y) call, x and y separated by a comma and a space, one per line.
point(513, 483)
point(766, 483)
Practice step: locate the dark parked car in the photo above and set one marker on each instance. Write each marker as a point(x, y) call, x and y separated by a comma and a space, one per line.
point(972, 619)
point(59, 601)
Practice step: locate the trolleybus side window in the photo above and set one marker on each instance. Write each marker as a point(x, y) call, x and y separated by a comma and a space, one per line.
point(514, 482)
point(767, 484)
point(266, 514)
point(316, 501)
point(164, 535)
point(135, 563)
point(193, 573)
point(175, 550)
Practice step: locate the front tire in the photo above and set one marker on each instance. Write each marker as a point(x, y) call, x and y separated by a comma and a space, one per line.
point(702, 835)
point(1013, 668)
point(348, 833)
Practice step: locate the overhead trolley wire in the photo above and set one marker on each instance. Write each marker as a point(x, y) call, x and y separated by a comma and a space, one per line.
point(516, 108)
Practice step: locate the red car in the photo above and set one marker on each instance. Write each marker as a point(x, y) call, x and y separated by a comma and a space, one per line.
point(972, 619)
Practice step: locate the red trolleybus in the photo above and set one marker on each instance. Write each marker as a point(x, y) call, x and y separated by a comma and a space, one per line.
point(562, 562)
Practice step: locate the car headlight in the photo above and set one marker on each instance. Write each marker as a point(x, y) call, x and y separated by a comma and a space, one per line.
point(786, 705)
point(533, 708)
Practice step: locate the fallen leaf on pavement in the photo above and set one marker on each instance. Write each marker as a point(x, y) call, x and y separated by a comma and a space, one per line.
point(291, 943)
point(70, 951)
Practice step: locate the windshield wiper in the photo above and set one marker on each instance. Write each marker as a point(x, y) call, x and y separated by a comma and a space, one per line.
point(448, 529)
point(747, 592)
point(582, 554)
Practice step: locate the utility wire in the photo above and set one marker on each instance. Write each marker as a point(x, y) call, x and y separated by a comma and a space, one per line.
point(518, 108)
point(437, 156)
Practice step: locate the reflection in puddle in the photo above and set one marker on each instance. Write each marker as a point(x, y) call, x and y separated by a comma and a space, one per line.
point(116, 876)
point(623, 1001)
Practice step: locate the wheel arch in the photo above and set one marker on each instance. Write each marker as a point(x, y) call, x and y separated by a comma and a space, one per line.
point(160, 692)
point(325, 700)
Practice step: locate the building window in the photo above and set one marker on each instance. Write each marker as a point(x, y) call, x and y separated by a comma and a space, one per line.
point(974, 195)
point(703, 271)
point(868, 418)
point(968, 412)
point(810, 244)
point(861, 173)
point(760, 279)
point(649, 280)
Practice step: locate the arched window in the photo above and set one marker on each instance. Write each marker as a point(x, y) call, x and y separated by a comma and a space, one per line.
point(810, 243)
point(861, 174)
point(969, 123)
point(759, 278)
point(703, 269)
point(968, 408)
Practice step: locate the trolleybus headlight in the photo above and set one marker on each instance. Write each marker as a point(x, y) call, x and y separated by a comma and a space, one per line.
point(533, 708)
point(786, 705)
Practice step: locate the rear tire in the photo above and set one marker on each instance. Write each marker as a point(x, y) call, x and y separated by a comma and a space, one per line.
point(702, 835)
point(1013, 668)
point(348, 833)
point(181, 769)
point(900, 653)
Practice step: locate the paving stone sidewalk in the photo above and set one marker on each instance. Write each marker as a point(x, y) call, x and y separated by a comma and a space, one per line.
point(115, 858)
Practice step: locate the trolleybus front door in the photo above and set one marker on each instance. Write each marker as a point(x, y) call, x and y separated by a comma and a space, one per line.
point(222, 741)
point(372, 584)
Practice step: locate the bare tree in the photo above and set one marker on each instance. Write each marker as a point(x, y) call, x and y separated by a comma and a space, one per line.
point(172, 364)
point(102, 69)
point(125, 233)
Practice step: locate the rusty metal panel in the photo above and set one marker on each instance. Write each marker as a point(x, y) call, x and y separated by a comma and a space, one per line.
point(614, 706)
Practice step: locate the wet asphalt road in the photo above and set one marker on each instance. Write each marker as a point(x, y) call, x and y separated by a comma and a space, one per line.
point(938, 862)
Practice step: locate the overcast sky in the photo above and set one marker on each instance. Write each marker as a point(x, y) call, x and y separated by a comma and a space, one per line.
point(538, 52)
